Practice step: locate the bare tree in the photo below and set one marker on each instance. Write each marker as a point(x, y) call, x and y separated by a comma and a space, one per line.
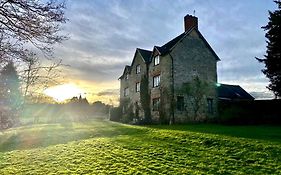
point(37, 77)
point(35, 22)
point(10, 50)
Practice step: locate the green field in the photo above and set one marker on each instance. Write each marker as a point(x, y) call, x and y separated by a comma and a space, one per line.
point(102, 147)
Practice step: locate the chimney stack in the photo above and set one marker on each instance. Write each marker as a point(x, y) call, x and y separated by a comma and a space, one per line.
point(190, 22)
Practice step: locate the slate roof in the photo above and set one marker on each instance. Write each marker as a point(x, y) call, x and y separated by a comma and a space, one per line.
point(166, 48)
point(146, 54)
point(233, 92)
point(127, 67)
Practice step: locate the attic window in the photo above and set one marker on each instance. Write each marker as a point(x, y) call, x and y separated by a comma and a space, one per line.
point(156, 60)
point(126, 76)
point(138, 69)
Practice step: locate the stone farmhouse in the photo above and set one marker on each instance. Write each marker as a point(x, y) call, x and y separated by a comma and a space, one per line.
point(181, 78)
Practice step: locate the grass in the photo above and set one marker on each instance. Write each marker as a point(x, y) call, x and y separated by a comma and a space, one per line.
point(260, 132)
point(102, 147)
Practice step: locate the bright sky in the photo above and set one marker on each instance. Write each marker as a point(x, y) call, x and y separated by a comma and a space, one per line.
point(104, 36)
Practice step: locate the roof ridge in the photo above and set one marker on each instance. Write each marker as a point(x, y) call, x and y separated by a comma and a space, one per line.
point(143, 49)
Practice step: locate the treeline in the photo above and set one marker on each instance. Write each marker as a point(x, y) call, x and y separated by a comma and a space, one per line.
point(74, 111)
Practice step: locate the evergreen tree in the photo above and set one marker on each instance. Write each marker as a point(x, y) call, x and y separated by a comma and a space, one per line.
point(10, 95)
point(272, 58)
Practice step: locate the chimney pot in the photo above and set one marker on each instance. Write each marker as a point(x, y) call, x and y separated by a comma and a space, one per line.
point(190, 22)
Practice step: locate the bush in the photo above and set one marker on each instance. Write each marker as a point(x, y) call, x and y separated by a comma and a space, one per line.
point(250, 112)
point(115, 114)
point(128, 115)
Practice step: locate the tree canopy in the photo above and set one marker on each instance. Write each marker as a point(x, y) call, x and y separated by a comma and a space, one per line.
point(25, 24)
point(29, 21)
point(272, 58)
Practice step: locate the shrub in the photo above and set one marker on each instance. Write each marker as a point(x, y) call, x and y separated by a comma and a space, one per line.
point(115, 114)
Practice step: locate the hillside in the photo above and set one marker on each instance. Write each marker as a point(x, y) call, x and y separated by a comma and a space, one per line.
point(109, 148)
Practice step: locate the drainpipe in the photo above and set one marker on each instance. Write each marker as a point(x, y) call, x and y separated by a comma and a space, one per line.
point(172, 120)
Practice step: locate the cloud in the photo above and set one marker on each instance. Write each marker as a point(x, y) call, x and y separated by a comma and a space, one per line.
point(104, 36)
point(262, 95)
point(95, 71)
point(108, 92)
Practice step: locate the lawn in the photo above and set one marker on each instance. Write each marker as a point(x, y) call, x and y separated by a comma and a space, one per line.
point(103, 147)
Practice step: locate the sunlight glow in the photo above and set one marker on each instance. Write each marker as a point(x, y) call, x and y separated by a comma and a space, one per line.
point(64, 92)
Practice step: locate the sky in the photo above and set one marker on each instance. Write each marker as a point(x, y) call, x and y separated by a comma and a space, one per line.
point(104, 35)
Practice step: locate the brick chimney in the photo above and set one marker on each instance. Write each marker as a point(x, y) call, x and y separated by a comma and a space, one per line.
point(190, 22)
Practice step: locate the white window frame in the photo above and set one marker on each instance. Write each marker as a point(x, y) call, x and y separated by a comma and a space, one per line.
point(126, 92)
point(127, 76)
point(156, 60)
point(138, 87)
point(138, 69)
point(156, 81)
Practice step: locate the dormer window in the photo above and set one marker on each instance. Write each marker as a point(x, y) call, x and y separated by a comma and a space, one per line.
point(127, 77)
point(138, 69)
point(156, 60)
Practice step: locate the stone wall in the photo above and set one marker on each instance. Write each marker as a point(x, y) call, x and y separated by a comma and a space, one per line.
point(192, 58)
point(189, 58)
point(164, 90)
point(131, 83)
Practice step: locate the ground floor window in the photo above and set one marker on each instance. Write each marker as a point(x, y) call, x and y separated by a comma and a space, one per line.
point(180, 103)
point(210, 105)
point(155, 104)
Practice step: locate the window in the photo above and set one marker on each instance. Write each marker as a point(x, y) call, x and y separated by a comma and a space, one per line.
point(155, 104)
point(210, 106)
point(156, 60)
point(126, 92)
point(138, 69)
point(180, 103)
point(137, 86)
point(195, 73)
point(156, 81)
point(127, 76)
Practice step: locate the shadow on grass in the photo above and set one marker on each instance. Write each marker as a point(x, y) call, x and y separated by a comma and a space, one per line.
point(44, 135)
point(265, 133)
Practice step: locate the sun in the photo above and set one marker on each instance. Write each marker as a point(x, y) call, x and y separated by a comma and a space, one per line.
point(63, 92)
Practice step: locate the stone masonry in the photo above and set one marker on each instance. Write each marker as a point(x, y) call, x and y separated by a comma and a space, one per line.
point(182, 61)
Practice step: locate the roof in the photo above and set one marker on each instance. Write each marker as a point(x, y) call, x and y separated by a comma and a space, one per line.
point(166, 48)
point(233, 92)
point(127, 68)
point(146, 54)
